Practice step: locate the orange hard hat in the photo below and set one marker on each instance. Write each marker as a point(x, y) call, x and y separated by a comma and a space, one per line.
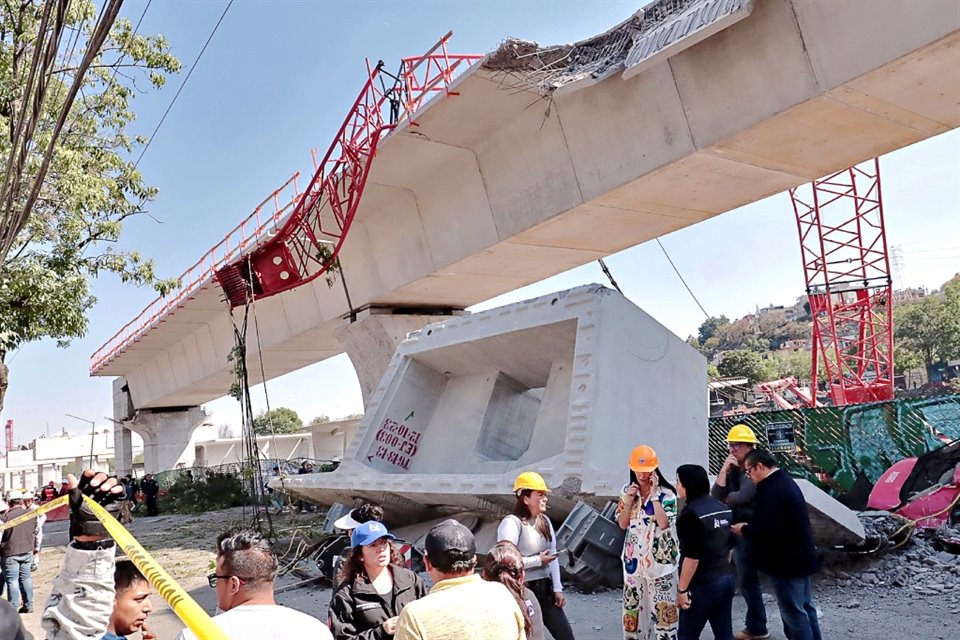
point(644, 459)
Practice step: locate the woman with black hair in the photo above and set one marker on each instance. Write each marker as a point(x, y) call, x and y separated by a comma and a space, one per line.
point(647, 510)
point(706, 586)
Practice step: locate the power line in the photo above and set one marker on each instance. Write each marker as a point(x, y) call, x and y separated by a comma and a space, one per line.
point(677, 271)
point(183, 84)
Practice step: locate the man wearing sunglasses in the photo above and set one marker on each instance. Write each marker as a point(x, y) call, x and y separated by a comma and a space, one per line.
point(782, 540)
point(244, 578)
point(735, 489)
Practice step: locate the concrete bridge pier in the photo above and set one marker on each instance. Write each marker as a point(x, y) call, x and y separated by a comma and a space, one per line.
point(167, 432)
point(372, 338)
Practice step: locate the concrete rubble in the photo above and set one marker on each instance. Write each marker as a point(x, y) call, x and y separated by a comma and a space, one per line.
point(919, 568)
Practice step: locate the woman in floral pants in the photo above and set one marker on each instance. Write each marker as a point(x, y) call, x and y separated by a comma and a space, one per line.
point(648, 511)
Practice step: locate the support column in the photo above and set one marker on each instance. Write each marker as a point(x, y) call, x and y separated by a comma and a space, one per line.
point(122, 436)
point(373, 337)
point(168, 436)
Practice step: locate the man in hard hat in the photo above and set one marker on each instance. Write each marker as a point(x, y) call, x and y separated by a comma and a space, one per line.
point(735, 489)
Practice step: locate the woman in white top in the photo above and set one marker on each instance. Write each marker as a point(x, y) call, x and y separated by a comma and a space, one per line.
point(530, 529)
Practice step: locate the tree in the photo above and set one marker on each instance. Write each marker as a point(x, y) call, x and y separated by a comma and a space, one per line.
point(928, 331)
point(91, 185)
point(321, 419)
point(281, 419)
point(743, 363)
point(710, 326)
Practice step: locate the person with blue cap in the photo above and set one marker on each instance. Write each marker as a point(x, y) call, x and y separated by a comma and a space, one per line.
point(373, 588)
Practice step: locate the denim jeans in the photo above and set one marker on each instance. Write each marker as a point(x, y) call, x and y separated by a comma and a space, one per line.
point(756, 619)
point(710, 602)
point(796, 608)
point(17, 576)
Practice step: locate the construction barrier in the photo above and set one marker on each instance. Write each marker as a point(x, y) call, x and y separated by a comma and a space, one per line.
point(186, 608)
point(834, 446)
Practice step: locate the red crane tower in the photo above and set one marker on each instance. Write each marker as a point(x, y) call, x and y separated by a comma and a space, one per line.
point(8, 436)
point(843, 245)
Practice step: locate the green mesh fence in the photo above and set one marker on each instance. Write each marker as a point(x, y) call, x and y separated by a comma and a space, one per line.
point(832, 446)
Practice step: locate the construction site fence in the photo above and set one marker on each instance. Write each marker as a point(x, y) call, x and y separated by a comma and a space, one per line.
point(833, 447)
point(245, 471)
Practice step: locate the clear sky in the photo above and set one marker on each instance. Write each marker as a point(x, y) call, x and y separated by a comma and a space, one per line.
point(277, 80)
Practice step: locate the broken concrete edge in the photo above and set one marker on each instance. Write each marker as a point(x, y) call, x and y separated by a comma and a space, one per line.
point(652, 34)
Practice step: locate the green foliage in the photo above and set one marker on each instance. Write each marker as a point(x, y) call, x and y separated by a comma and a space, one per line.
point(747, 364)
point(214, 491)
point(92, 186)
point(321, 419)
point(928, 330)
point(282, 420)
point(710, 327)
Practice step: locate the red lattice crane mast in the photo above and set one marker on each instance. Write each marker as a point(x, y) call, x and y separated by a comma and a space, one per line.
point(308, 243)
point(843, 245)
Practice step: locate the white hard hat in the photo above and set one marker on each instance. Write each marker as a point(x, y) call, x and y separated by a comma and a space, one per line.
point(28, 495)
point(15, 495)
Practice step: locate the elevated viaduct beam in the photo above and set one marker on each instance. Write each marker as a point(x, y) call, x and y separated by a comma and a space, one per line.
point(498, 187)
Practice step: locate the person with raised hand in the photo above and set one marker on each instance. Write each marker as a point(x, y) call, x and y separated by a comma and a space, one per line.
point(82, 598)
point(647, 510)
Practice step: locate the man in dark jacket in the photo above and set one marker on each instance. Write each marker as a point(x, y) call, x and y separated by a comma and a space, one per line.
point(16, 550)
point(779, 531)
point(150, 491)
point(737, 491)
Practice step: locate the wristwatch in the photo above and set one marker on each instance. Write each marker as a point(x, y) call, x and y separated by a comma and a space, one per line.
point(683, 591)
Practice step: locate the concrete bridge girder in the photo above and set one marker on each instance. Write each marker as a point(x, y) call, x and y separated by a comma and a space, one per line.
point(498, 188)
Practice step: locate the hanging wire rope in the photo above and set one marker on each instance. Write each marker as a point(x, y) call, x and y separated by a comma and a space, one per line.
point(183, 84)
point(606, 272)
point(677, 271)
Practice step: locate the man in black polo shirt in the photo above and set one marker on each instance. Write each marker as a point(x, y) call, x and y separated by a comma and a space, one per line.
point(779, 532)
point(706, 586)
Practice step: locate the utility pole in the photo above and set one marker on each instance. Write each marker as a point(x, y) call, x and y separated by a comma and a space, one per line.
point(93, 433)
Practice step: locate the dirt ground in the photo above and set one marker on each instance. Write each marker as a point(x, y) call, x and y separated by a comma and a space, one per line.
point(183, 545)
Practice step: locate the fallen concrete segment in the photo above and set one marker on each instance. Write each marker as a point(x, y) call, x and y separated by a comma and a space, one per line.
point(833, 523)
point(564, 384)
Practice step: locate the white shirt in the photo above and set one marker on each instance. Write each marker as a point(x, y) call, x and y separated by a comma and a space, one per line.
point(531, 542)
point(266, 622)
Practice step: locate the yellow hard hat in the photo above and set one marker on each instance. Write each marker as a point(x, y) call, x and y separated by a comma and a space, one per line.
point(644, 459)
point(529, 480)
point(742, 433)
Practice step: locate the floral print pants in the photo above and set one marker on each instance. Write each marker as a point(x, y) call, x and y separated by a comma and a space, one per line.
point(649, 607)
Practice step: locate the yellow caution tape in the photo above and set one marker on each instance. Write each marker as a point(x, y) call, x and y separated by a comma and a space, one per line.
point(30, 515)
point(179, 600)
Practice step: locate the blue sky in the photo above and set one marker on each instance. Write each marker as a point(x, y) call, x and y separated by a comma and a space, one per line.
point(277, 80)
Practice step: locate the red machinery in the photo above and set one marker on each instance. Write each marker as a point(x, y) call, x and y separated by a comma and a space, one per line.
point(8, 436)
point(774, 389)
point(844, 250)
point(308, 243)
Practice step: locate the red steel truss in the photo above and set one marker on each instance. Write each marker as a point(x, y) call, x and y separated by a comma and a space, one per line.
point(309, 242)
point(844, 250)
point(304, 228)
